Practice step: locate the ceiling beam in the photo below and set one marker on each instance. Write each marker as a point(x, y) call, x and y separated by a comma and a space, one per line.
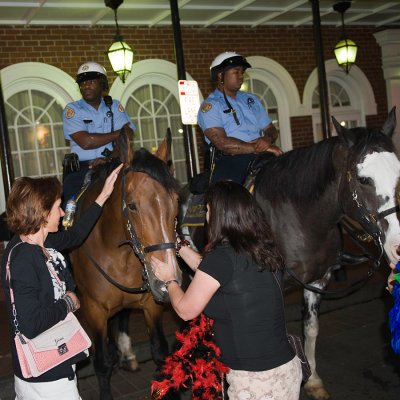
point(166, 13)
point(359, 15)
point(277, 14)
point(395, 18)
point(229, 12)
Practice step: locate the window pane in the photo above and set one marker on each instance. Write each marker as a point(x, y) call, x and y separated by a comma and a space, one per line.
point(16, 164)
point(30, 165)
point(26, 138)
point(59, 135)
point(48, 163)
point(338, 96)
point(43, 136)
point(159, 92)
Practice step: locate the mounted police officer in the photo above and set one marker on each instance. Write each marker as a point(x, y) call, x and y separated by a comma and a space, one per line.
point(233, 121)
point(91, 125)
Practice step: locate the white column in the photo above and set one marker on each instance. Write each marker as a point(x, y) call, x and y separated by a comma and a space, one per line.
point(389, 40)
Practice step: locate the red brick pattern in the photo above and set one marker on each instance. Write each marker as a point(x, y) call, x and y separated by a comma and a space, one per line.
point(293, 48)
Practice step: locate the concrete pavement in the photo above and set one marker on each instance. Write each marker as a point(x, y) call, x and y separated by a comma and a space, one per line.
point(354, 357)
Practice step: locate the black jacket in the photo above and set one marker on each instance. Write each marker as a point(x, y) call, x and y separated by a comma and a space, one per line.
point(33, 289)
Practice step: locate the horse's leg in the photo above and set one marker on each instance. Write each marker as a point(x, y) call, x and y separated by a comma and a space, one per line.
point(314, 387)
point(105, 355)
point(153, 313)
point(127, 355)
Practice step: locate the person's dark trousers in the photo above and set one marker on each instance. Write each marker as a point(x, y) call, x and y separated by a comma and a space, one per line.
point(232, 168)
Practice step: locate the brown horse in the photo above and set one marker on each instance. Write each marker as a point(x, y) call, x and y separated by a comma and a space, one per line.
point(111, 268)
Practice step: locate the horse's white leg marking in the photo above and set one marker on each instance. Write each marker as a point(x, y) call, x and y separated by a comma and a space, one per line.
point(384, 169)
point(127, 354)
point(314, 387)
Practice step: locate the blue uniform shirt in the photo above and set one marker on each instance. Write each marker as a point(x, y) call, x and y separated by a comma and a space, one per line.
point(81, 116)
point(249, 110)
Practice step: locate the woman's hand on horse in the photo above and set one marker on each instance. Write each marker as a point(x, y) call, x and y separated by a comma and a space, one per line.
point(163, 271)
point(108, 186)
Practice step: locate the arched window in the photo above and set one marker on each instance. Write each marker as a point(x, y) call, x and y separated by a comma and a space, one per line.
point(150, 97)
point(351, 97)
point(34, 96)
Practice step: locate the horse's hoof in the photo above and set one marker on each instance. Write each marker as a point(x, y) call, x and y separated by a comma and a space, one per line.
point(316, 392)
point(130, 365)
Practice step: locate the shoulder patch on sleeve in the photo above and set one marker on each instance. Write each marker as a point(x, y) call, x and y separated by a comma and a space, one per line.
point(205, 107)
point(120, 108)
point(69, 113)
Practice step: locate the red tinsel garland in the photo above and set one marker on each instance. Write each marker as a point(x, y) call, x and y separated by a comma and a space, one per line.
point(194, 365)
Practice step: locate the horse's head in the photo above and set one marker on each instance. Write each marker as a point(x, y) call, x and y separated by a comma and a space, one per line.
point(150, 202)
point(369, 183)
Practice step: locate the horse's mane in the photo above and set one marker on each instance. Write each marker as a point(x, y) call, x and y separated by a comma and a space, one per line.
point(304, 173)
point(299, 174)
point(143, 161)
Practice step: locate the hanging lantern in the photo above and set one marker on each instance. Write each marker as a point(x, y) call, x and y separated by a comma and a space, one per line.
point(346, 49)
point(120, 53)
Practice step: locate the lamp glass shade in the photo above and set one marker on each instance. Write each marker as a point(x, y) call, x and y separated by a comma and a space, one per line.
point(121, 58)
point(346, 53)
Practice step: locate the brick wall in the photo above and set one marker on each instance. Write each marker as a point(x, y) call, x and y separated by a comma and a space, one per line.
point(293, 48)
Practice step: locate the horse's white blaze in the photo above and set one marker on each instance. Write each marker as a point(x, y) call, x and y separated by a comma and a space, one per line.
point(384, 169)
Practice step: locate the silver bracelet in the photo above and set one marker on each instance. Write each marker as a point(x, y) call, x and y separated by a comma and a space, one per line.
point(167, 283)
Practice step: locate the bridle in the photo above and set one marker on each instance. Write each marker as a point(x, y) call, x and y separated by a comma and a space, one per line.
point(370, 225)
point(136, 245)
point(370, 221)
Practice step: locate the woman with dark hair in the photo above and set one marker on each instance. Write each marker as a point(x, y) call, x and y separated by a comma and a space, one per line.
point(43, 289)
point(237, 285)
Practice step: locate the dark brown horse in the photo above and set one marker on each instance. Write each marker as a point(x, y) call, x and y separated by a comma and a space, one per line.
point(306, 192)
point(111, 268)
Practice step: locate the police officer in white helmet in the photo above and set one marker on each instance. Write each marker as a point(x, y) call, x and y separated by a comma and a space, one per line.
point(91, 124)
point(233, 121)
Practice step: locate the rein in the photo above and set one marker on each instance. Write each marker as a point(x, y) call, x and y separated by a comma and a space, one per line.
point(137, 247)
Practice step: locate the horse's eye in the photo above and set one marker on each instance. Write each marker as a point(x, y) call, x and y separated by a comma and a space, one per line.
point(132, 207)
point(364, 181)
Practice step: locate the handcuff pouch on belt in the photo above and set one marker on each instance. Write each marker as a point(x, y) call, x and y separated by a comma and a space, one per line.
point(71, 163)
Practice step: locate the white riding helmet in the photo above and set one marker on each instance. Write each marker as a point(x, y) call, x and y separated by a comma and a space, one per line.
point(92, 70)
point(226, 60)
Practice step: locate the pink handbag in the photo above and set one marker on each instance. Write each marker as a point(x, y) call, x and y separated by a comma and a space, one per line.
point(54, 346)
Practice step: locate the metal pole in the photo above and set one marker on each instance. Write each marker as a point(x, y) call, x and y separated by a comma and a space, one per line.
point(6, 161)
point(323, 87)
point(180, 62)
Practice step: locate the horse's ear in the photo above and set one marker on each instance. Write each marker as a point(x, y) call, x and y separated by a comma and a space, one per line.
point(390, 123)
point(344, 134)
point(123, 148)
point(164, 149)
